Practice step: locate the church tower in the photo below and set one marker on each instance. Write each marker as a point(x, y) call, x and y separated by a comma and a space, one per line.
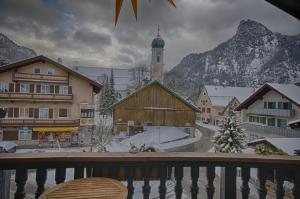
point(157, 59)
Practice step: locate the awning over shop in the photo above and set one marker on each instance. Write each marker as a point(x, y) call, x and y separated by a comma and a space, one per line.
point(54, 129)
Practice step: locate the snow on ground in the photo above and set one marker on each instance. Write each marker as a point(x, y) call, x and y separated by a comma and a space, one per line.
point(208, 126)
point(161, 138)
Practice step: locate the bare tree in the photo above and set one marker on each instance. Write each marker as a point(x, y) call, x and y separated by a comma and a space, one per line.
point(102, 135)
point(140, 75)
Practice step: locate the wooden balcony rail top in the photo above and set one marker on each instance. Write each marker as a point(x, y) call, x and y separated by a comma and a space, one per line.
point(39, 77)
point(12, 161)
point(34, 96)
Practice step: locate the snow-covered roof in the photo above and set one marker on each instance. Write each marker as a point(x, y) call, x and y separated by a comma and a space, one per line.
point(289, 91)
point(294, 122)
point(220, 100)
point(123, 77)
point(288, 145)
point(222, 95)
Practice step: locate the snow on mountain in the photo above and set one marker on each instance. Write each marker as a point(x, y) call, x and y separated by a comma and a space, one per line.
point(11, 52)
point(253, 56)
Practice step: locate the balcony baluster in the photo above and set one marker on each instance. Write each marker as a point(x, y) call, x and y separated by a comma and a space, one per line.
point(163, 178)
point(21, 178)
point(279, 184)
point(210, 189)
point(130, 186)
point(146, 187)
point(60, 175)
point(296, 189)
point(262, 190)
point(41, 177)
point(194, 186)
point(230, 182)
point(79, 172)
point(178, 178)
point(245, 186)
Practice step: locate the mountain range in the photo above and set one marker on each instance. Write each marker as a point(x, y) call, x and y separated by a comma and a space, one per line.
point(253, 56)
point(11, 52)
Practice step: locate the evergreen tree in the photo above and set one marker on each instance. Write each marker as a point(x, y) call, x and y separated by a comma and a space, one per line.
point(230, 139)
point(109, 95)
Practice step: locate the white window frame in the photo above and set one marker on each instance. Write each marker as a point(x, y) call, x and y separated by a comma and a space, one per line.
point(25, 138)
point(45, 88)
point(37, 68)
point(40, 113)
point(26, 86)
point(4, 87)
point(50, 71)
point(63, 90)
point(23, 112)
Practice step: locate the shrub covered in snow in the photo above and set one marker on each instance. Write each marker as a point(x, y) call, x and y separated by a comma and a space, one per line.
point(231, 136)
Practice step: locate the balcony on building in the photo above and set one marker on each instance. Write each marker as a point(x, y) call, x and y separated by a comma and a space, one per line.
point(27, 77)
point(275, 112)
point(8, 122)
point(37, 93)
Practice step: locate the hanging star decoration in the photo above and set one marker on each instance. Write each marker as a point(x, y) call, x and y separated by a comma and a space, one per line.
point(134, 4)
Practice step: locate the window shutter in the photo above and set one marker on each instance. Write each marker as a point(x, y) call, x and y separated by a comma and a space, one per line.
point(50, 113)
point(38, 88)
point(36, 113)
point(70, 90)
point(11, 87)
point(31, 89)
point(51, 88)
point(56, 89)
point(10, 112)
point(31, 112)
point(16, 112)
point(17, 88)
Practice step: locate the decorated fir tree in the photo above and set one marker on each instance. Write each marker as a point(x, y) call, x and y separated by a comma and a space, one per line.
point(230, 139)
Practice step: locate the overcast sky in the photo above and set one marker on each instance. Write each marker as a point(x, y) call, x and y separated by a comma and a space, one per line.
point(84, 31)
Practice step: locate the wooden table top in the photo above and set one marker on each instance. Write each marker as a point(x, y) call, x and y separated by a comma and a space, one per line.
point(87, 188)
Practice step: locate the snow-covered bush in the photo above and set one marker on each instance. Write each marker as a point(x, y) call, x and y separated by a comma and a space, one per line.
point(102, 135)
point(230, 139)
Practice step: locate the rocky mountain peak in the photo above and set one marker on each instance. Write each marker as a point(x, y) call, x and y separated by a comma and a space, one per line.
point(253, 56)
point(11, 52)
point(250, 27)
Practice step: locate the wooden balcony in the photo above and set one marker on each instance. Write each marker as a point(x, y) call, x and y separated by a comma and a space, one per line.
point(40, 78)
point(39, 97)
point(38, 122)
point(281, 131)
point(147, 166)
point(275, 112)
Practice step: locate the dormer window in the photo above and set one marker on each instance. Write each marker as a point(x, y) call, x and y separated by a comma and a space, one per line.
point(37, 70)
point(50, 71)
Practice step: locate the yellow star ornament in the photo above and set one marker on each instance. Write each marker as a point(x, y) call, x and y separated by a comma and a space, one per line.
point(134, 7)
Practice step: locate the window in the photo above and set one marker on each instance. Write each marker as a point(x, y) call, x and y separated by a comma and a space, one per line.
point(24, 88)
point(281, 123)
point(45, 88)
point(265, 104)
point(4, 87)
point(44, 113)
point(203, 110)
point(271, 121)
point(262, 120)
point(63, 112)
point(208, 110)
point(25, 133)
point(63, 90)
point(271, 105)
point(37, 70)
point(287, 105)
point(158, 59)
point(50, 71)
point(23, 112)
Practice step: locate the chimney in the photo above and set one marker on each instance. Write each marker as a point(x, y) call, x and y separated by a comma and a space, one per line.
point(59, 60)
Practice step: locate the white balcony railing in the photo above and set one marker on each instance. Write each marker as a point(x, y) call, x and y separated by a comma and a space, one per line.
point(275, 112)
